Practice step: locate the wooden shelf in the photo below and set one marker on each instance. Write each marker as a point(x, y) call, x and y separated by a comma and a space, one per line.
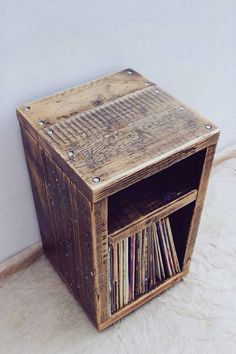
point(150, 194)
point(143, 299)
point(156, 214)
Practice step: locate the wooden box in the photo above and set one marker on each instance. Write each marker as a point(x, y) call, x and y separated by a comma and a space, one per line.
point(107, 159)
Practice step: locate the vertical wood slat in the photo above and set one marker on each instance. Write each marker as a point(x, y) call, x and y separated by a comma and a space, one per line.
point(71, 216)
point(100, 242)
point(64, 216)
point(199, 205)
point(33, 161)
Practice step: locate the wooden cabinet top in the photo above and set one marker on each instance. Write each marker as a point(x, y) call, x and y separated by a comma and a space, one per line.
point(109, 133)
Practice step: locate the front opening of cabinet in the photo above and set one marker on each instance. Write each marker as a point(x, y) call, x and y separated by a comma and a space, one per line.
point(142, 261)
point(138, 200)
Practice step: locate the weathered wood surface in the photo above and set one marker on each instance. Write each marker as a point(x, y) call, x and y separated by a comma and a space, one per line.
point(63, 105)
point(34, 163)
point(131, 134)
point(199, 205)
point(65, 219)
point(100, 255)
point(122, 129)
point(71, 219)
point(153, 216)
point(142, 300)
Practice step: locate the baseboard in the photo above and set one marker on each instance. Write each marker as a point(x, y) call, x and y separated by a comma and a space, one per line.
point(21, 260)
point(225, 154)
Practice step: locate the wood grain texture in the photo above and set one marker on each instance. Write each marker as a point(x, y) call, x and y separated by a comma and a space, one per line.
point(154, 216)
point(117, 140)
point(63, 105)
point(143, 197)
point(142, 300)
point(153, 156)
point(100, 253)
point(199, 205)
point(70, 216)
point(34, 163)
point(64, 216)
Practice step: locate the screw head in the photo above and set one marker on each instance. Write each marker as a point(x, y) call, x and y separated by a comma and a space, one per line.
point(50, 131)
point(70, 153)
point(41, 122)
point(146, 83)
point(129, 72)
point(96, 179)
point(26, 108)
point(157, 90)
point(208, 126)
point(182, 108)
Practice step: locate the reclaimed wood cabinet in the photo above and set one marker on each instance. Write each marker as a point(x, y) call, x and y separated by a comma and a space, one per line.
point(106, 159)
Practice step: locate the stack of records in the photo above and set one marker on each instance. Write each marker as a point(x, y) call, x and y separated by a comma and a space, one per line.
point(140, 262)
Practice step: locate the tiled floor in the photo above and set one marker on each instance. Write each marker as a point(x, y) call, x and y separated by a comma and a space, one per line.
point(39, 316)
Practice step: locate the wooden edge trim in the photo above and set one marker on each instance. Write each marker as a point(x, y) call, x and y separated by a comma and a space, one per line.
point(21, 260)
point(199, 204)
point(142, 300)
point(153, 216)
point(100, 258)
point(158, 164)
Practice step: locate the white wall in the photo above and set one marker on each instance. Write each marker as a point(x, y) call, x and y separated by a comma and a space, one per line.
point(188, 47)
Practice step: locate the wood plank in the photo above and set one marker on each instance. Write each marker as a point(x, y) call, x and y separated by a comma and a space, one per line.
point(117, 140)
point(122, 150)
point(142, 300)
point(100, 254)
point(151, 193)
point(153, 216)
point(34, 163)
point(71, 235)
point(199, 205)
point(70, 102)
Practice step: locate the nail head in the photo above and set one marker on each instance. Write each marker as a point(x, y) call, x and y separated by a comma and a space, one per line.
point(26, 108)
point(208, 126)
point(129, 72)
point(41, 122)
point(70, 153)
point(96, 179)
point(49, 131)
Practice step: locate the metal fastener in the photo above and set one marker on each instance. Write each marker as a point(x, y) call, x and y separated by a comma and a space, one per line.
point(96, 179)
point(41, 122)
point(27, 108)
point(70, 153)
point(49, 131)
point(181, 107)
point(208, 126)
point(129, 72)
point(146, 83)
point(157, 90)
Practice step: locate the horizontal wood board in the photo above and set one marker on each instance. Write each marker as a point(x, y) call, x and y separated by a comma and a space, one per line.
point(119, 129)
